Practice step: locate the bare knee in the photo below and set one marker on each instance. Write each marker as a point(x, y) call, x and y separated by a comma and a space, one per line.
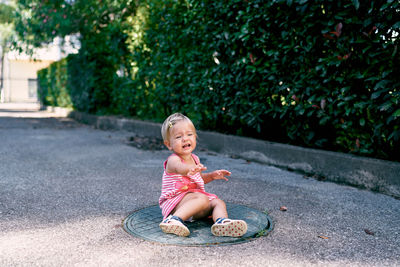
point(218, 203)
point(202, 200)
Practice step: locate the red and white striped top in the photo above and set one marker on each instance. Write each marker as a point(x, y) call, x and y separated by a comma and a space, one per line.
point(176, 186)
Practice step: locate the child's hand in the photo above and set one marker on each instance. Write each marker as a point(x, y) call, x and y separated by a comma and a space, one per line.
point(220, 174)
point(198, 168)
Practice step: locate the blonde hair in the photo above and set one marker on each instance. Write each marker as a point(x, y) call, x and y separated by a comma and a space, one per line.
point(171, 121)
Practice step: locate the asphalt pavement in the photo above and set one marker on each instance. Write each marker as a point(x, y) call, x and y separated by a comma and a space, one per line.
point(65, 189)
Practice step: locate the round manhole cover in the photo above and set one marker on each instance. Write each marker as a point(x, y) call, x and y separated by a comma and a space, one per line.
point(144, 224)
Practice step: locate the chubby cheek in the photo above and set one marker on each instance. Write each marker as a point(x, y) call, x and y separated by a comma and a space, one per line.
point(194, 140)
point(193, 143)
point(176, 144)
point(171, 144)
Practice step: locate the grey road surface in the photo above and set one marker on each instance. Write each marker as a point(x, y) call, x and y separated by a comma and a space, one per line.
point(66, 187)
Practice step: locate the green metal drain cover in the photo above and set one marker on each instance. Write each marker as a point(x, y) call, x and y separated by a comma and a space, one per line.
point(144, 224)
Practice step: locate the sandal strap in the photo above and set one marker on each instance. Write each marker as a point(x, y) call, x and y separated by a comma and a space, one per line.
point(173, 217)
point(221, 220)
point(177, 219)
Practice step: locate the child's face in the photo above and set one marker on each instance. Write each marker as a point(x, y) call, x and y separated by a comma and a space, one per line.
point(182, 138)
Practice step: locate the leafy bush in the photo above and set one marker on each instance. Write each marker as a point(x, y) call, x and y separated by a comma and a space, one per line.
point(321, 74)
point(93, 72)
point(53, 90)
point(91, 75)
point(318, 74)
point(6, 13)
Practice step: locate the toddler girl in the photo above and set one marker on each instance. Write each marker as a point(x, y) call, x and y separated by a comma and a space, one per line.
point(183, 195)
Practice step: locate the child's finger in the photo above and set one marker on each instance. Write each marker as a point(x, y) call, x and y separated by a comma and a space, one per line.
point(225, 172)
point(219, 175)
point(223, 178)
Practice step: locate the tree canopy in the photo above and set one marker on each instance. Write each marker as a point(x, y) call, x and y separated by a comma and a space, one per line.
point(39, 22)
point(6, 13)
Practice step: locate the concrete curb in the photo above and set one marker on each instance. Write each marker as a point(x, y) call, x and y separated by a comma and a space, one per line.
point(368, 173)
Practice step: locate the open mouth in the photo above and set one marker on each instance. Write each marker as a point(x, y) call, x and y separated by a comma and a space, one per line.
point(186, 146)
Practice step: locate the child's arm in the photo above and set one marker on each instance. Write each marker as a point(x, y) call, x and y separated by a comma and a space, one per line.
point(215, 175)
point(175, 165)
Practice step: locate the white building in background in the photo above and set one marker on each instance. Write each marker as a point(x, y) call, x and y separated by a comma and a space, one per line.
point(20, 70)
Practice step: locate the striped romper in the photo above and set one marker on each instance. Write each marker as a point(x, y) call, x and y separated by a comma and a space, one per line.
point(176, 186)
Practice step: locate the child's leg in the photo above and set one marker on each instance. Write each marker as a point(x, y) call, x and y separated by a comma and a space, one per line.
point(218, 209)
point(192, 204)
point(224, 226)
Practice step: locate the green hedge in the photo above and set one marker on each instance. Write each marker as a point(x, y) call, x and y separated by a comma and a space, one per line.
point(53, 89)
point(318, 74)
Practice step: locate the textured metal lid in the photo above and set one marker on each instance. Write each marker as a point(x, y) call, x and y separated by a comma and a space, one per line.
point(144, 224)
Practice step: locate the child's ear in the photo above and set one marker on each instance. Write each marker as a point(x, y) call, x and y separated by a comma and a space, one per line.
point(167, 144)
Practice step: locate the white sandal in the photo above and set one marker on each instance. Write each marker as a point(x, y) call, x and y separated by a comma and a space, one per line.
point(228, 227)
point(174, 225)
